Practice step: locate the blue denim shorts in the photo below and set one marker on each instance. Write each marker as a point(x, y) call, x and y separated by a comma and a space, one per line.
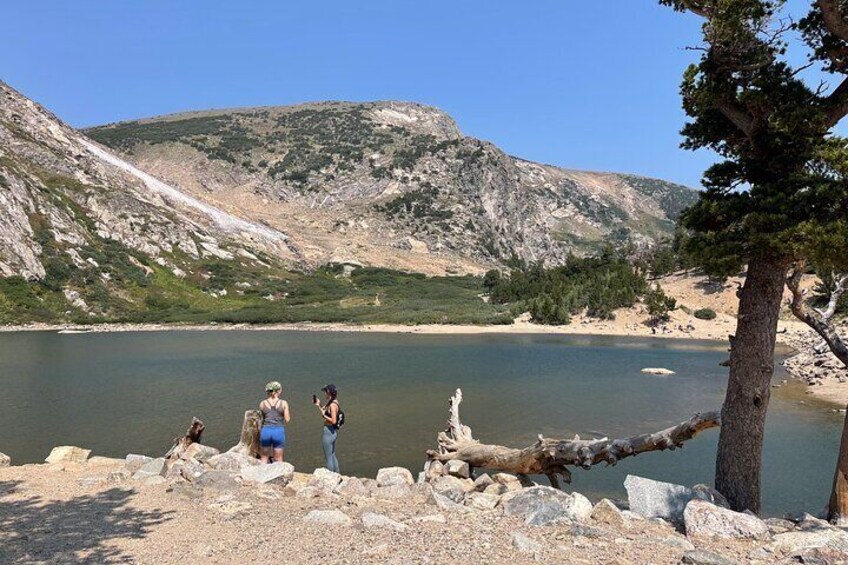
point(273, 436)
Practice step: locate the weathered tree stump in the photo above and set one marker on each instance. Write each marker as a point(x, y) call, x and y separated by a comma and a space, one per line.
point(552, 457)
point(249, 440)
point(192, 435)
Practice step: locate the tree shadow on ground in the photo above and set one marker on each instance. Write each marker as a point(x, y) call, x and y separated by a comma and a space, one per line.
point(70, 531)
point(712, 286)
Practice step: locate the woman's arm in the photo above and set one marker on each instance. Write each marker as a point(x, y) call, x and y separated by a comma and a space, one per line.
point(286, 414)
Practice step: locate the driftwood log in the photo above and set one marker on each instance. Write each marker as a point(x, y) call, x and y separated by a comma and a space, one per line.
point(192, 435)
point(249, 440)
point(552, 457)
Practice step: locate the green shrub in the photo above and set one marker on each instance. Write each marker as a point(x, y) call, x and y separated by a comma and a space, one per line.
point(705, 314)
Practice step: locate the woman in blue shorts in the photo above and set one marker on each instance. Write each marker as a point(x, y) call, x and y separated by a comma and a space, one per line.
point(275, 415)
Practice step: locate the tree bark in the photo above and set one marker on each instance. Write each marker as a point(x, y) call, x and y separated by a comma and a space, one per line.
point(552, 457)
point(743, 415)
point(192, 435)
point(249, 440)
point(837, 508)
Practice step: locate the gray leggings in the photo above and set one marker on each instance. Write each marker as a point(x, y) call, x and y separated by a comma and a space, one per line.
point(328, 440)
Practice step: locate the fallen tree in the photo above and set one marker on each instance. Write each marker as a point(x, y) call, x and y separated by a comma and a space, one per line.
point(552, 457)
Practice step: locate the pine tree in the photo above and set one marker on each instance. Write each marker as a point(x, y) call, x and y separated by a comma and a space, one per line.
point(752, 107)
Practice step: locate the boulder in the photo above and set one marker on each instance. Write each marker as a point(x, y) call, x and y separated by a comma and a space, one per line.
point(325, 480)
point(482, 501)
point(191, 469)
point(482, 482)
point(153, 468)
point(118, 476)
point(100, 461)
point(175, 470)
point(496, 489)
point(444, 503)
point(351, 486)
point(511, 483)
point(153, 481)
point(394, 476)
point(541, 505)
point(395, 491)
point(450, 487)
point(779, 525)
point(328, 518)
point(68, 454)
point(457, 468)
point(702, 557)
point(656, 499)
point(606, 512)
point(134, 462)
point(217, 480)
point(524, 544)
point(798, 542)
point(372, 520)
point(199, 452)
point(277, 473)
point(433, 469)
point(703, 519)
point(708, 493)
point(231, 461)
point(657, 371)
point(5, 460)
point(422, 491)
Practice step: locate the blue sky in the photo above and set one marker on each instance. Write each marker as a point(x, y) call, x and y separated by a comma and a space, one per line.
point(582, 84)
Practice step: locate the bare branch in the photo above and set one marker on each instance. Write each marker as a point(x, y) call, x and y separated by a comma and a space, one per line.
point(821, 325)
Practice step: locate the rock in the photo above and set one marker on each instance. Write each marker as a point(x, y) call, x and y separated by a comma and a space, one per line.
point(278, 473)
point(134, 462)
point(191, 469)
point(153, 468)
point(589, 531)
point(217, 480)
point(394, 476)
point(371, 521)
point(496, 489)
point(458, 468)
point(400, 490)
point(541, 505)
point(351, 486)
point(657, 371)
point(199, 452)
point(5, 460)
point(708, 493)
point(230, 507)
point(434, 469)
point(118, 476)
point(701, 557)
point(100, 461)
point(328, 518)
point(482, 501)
point(482, 482)
point(444, 503)
point(231, 461)
point(677, 542)
point(779, 525)
point(524, 544)
point(153, 481)
point(605, 512)
point(175, 470)
point(704, 519)
point(308, 492)
point(325, 480)
point(68, 454)
point(656, 499)
point(449, 487)
point(422, 491)
point(510, 482)
point(799, 541)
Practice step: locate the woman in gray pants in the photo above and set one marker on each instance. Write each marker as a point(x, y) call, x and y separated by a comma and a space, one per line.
point(330, 413)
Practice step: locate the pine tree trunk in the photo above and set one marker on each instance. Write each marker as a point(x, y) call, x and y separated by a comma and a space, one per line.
point(838, 506)
point(743, 415)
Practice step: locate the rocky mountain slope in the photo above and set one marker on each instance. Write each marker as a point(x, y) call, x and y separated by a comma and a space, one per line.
point(393, 184)
point(99, 233)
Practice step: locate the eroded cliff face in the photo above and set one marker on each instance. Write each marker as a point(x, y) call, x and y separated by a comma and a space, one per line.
point(393, 184)
point(93, 226)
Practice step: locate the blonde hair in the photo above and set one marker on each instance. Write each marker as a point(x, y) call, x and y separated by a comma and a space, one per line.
point(273, 386)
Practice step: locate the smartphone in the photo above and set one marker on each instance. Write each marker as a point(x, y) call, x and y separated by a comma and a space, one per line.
point(314, 399)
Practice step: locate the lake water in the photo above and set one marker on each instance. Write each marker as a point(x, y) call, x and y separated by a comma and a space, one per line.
point(120, 393)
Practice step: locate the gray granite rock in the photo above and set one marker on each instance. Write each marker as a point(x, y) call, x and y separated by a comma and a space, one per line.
point(702, 557)
point(703, 519)
point(656, 499)
point(277, 473)
point(328, 518)
point(389, 476)
point(541, 505)
point(372, 520)
point(215, 479)
point(524, 544)
point(153, 468)
point(458, 468)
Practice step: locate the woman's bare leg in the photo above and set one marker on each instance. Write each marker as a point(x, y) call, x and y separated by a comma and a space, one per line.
point(266, 451)
point(278, 454)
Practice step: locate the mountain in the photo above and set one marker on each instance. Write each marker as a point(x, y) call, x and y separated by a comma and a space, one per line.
point(393, 184)
point(103, 236)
